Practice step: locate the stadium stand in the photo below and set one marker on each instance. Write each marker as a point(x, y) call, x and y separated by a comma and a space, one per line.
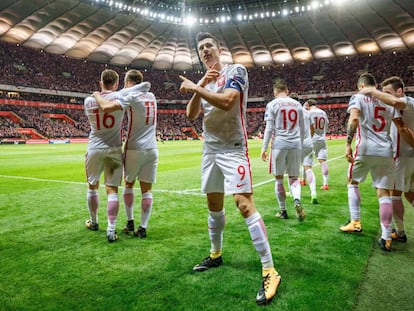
point(46, 91)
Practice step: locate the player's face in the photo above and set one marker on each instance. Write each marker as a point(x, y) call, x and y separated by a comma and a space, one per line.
point(209, 52)
point(390, 90)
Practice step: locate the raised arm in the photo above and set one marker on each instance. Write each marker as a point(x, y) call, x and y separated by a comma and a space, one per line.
point(390, 100)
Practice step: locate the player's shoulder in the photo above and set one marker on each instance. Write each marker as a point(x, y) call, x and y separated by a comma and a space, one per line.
point(237, 70)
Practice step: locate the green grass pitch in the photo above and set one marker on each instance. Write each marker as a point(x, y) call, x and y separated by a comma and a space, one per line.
point(49, 261)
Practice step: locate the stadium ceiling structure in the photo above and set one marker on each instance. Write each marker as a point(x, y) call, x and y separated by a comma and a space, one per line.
point(161, 34)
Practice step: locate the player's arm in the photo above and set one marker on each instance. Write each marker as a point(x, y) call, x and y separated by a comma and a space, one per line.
point(194, 105)
point(352, 126)
point(267, 135)
point(388, 99)
point(224, 101)
point(405, 132)
point(105, 104)
point(312, 130)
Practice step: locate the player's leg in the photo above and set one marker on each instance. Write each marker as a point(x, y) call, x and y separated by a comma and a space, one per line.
point(258, 234)
point(112, 211)
point(357, 173)
point(146, 208)
point(277, 169)
point(147, 176)
point(93, 167)
point(212, 183)
point(385, 214)
point(129, 203)
point(131, 159)
point(216, 221)
point(322, 155)
point(404, 182)
point(310, 176)
point(383, 179)
point(293, 164)
point(113, 176)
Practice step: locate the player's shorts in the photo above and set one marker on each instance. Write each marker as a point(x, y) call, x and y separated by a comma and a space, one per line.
point(404, 170)
point(321, 150)
point(228, 173)
point(381, 168)
point(141, 165)
point(108, 161)
point(307, 156)
point(285, 160)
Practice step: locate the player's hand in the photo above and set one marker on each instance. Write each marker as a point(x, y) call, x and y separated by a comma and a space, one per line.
point(264, 156)
point(348, 154)
point(94, 94)
point(187, 85)
point(211, 75)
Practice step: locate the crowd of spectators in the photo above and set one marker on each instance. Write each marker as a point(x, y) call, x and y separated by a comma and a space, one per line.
point(23, 67)
point(170, 126)
point(33, 68)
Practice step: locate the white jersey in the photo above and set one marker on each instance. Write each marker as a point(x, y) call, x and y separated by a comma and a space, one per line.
point(307, 121)
point(141, 109)
point(284, 124)
point(106, 127)
point(400, 146)
point(225, 131)
point(373, 133)
point(321, 124)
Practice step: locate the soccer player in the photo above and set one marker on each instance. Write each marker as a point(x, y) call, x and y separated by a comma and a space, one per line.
point(140, 152)
point(393, 94)
point(225, 169)
point(371, 120)
point(307, 153)
point(320, 148)
point(104, 154)
point(285, 127)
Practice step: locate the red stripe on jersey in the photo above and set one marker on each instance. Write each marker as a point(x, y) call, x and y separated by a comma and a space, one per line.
point(130, 120)
point(245, 138)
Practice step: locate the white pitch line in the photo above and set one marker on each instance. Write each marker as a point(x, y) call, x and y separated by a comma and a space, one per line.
point(196, 192)
point(272, 180)
point(189, 191)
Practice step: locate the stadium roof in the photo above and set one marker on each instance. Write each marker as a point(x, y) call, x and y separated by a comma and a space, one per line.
point(160, 34)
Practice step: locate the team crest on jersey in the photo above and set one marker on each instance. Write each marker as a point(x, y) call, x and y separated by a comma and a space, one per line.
point(221, 81)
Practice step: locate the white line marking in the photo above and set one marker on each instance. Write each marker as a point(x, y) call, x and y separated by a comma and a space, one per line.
point(196, 192)
point(272, 180)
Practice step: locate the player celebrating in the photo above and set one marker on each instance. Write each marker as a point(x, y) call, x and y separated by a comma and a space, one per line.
point(104, 154)
point(307, 153)
point(222, 96)
point(393, 94)
point(285, 126)
point(320, 148)
point(141, 152)
point(371, 120)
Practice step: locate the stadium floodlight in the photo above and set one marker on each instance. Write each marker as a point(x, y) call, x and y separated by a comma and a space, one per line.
point(213, 13)
point(189, 20)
